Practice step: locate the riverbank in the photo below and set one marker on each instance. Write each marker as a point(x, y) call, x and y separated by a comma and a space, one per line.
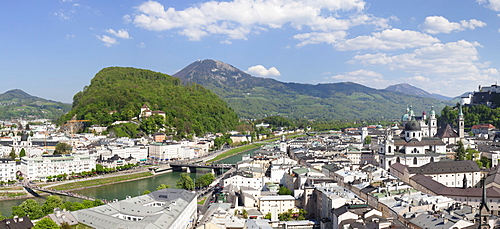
point(235, 151)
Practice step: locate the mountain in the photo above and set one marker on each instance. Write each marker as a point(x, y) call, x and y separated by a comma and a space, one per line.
point(117, 94)
point(256, 97)
point(19, 104)
point(412, 90)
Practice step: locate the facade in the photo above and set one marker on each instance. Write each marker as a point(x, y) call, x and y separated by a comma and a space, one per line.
point(166, 151)
point(276, 204)
point(416, 147)
point(8, 170)
point(239, 181)
point(166, 208)
point(38, 168)
point(140, 153)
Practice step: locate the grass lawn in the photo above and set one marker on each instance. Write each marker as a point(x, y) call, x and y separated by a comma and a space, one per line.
point(101, 181)
point(235, 151)
point(203, 200)
point(13, 194)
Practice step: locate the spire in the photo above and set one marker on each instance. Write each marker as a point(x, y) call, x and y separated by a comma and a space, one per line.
point(484, 203)
point(433, 112)
point(460, 113)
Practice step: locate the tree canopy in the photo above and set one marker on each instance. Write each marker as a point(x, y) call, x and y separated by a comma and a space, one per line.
point(117, 94)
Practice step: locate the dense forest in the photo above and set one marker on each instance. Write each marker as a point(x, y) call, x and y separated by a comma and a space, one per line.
point(473, 115)
point(117, 94)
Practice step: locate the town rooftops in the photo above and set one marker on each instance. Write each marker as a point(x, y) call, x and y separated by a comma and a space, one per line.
point(442, 167)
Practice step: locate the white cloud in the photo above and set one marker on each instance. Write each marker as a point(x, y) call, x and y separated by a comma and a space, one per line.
point(317, 38)
point(127, 19)
point(120, 33)
point(142, 45)
point(419, 78)
point(439, 24)
point(492, 4)
point(453, 65)
point(70, 36)
point(239, 18)
point(108, 41)
point(388, 39)
point(362, 76)
point(260, 70)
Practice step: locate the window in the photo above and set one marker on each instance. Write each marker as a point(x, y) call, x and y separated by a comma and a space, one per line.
point(415, 161)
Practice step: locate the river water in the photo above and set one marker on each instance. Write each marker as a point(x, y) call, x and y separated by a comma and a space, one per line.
point(130, 188)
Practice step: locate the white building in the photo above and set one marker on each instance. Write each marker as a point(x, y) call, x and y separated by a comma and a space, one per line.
point(140, 153)
point(161, 151)
point(38, 168)
point(8, 170)
point(239, 181)
point(276, 204)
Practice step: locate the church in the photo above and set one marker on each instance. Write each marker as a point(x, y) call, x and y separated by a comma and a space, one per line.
point(418, 144)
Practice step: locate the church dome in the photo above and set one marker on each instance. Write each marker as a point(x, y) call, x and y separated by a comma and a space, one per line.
point(405, 118)
point(412, 126)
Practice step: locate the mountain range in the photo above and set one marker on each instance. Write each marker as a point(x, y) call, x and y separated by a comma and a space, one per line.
point(19, 104)
point(412, 90)
point(257, 97)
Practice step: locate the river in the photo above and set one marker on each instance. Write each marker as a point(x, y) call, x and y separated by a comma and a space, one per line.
point(130, 188)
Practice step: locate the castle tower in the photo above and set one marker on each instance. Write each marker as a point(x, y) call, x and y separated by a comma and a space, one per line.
point(461, 132)
point(432, 123)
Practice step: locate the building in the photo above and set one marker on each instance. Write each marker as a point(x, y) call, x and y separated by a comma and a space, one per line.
point(38, 168)
point(8, 170)
point(165, 151)
point(276, 204)
point(166, 208)
point(415, 147)
point(458, 174)
point(239, 181)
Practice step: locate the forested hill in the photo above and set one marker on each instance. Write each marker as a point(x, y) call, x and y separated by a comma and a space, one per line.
point(117, 94)
point(256, 97)
point(19, 104)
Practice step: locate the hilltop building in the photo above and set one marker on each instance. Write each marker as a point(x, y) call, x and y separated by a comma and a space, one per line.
point(146, 112)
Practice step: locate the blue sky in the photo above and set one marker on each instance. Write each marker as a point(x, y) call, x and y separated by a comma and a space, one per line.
point(52, 49)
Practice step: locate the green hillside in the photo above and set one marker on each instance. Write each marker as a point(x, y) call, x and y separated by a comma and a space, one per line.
point(19, 104)
point(117, 94)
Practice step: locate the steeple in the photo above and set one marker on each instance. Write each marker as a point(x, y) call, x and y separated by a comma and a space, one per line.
point(461, 131)
point(484, 210)
point(432, 123)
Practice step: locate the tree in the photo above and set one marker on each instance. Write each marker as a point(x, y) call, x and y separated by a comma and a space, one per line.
point(244, 214)
point(268, 215)
point(460, 152)
point(12, 154)
point(368, 140)
point(29, 208)
point(65, 226)
point(185, 182)
point(46, 223)
point(162, 186)
point(62, 148)
point(22, 153)
point(146, 192)
point(50, 203)
point(284, 191)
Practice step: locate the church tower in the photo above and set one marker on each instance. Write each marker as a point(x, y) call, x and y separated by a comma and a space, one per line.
point(484, 210)
point(432, 123)
point(461, 132)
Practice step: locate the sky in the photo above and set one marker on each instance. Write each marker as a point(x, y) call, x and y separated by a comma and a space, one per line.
point(53, 48)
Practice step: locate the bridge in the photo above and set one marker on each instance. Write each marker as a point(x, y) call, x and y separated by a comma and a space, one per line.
point(32, 188)
point(217, 169)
